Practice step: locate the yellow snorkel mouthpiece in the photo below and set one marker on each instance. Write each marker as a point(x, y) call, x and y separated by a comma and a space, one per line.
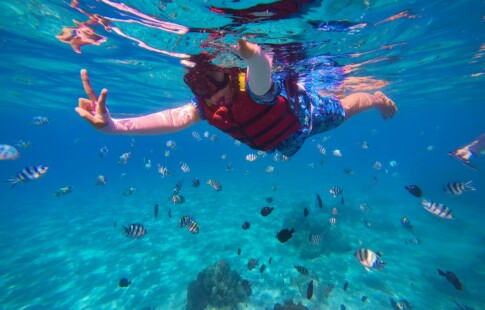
point(242, 81)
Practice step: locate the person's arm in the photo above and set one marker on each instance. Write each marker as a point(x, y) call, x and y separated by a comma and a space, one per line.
point(162, 122)
point(259, 73)
point(95, 112)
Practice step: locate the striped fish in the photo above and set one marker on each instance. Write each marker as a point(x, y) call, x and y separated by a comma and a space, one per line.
point(193, 227)
point(369, 259)
point(28, 174)
point(135, 230)
point(414, 240)
point(177, 199)
point(437, 209)
point(457, 188)
point(215, 185)
point(8, 152)
point(163, 170)
point(188, 221)
point(40, 120)
point(314, 238)
point(184, 167)
point(185, 220)
point(335, 191)
point(252, 263)
point(403, 304)
point(328, 290)
point(178, 187)
point(302, 270)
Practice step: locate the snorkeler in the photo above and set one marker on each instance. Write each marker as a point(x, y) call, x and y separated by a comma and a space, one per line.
point(248, 105)
point(466, 153)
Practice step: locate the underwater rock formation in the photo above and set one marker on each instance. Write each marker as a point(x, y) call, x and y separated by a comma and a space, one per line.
point(217, 286)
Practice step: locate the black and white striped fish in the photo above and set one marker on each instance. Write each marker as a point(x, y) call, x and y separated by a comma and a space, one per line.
point(437, 209)
point(185, 220)
point(302, 270)
point(457, 188)
point(135, 230)
point(369, 259)
point(328, 290)
point(28, 174)
point(40, 120)
point(414, 240)
point(188, 221)
point(193, 227)
point(402, 304)
point(335, 191)
point(178, 187)
point(177, 199)
point(215, 185)
point(314, 238)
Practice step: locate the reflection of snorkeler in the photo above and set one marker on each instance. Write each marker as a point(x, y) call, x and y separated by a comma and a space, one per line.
point(466, 153)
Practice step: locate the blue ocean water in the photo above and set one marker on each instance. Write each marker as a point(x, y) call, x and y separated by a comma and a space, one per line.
point(70, 252)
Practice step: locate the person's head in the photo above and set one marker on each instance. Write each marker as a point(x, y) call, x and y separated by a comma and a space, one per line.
point(210, 82)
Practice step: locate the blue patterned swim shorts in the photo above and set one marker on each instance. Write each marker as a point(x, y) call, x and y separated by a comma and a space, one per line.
point(317, 114)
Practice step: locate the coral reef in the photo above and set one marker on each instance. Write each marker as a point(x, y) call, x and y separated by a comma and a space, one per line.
point(217, 286)
point(289, 305)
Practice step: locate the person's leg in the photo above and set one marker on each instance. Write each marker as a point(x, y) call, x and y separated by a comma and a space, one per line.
point(466, 153)
point(478, 145)
point(359, 102)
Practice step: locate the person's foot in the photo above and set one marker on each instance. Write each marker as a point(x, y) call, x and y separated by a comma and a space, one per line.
point(388, 108)
point(463, 155)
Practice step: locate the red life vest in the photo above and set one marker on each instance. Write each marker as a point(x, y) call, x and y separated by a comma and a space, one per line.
point(260, 126)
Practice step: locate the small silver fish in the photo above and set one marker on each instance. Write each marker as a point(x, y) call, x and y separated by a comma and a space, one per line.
point(63, 191)
point(103, 151)
point(124, 158)
point(40, 120)
point(101, 180)
point(128, 191)
point(414, 240)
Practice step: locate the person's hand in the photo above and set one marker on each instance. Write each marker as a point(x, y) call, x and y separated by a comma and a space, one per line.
point(246, 49)
point(93, 109)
